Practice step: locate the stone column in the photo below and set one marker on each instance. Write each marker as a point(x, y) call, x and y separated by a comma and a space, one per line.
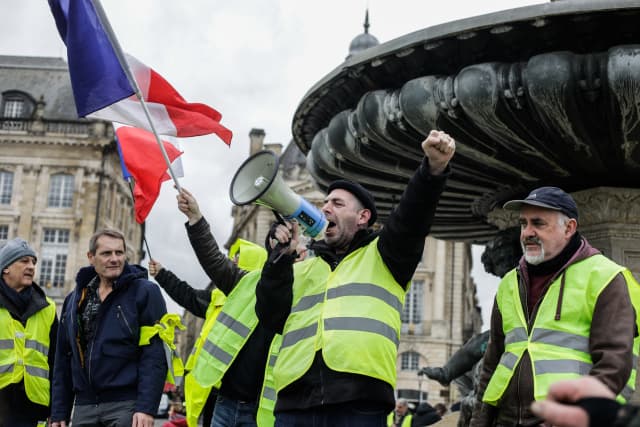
point(610, 220)
point(439, 326)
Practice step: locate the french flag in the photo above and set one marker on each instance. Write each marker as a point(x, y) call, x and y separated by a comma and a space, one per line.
point(170, 113)
point(143, 161)
point(102, 90)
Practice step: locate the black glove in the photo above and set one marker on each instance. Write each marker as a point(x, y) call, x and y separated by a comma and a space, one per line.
point(270, 236)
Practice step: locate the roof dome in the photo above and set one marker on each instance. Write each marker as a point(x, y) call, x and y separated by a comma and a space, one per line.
point(362, 41)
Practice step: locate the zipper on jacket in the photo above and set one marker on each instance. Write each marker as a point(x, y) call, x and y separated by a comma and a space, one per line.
point(518, 398)
point(90, 357)
point(126, 322)
point(98, 320)
point(531, 317)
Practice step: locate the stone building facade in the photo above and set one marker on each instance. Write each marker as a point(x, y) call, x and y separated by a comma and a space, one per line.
point(441, 310)
point(60, 176)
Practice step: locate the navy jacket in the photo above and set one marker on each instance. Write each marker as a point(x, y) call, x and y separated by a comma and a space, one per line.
point(116, 368)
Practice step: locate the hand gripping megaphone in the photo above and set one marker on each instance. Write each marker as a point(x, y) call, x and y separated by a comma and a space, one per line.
point(258, 181)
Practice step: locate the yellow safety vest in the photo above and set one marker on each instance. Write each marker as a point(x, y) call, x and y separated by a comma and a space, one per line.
point(24, 352)
point(196, 395)
point(406, 421)
point(218, 299)
point(229, 333)
point(265, 417)
point(165, 328)
point(559, 349)
point(251, 257)
point(352, 314)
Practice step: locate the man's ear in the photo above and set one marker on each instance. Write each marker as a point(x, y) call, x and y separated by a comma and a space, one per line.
point(572, 226)
point(364, 217)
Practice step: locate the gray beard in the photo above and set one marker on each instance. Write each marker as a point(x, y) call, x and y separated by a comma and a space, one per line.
point(533, 259)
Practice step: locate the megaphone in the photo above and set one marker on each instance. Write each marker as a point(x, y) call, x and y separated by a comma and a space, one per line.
point(258, 181)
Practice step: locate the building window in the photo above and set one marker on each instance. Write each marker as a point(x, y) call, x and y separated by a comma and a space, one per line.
point(13, 108)
point(6, 186)
point(412, 311)
point(409, 361)
point(4, 233)
point(61, 191)
point(53, 263)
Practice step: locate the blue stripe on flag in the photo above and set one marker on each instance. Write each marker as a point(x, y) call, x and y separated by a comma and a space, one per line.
point(97, 77)
point(125, 172)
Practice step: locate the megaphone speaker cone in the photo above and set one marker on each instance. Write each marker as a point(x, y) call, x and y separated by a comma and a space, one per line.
point(258, 181)
point(254, 178)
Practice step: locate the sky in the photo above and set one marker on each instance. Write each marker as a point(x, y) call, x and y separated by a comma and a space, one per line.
point(251, 60)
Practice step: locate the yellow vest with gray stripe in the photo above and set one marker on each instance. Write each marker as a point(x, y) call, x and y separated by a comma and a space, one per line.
point(24, 352)
point(265, 417)
point(559, 348)
point(195, 395)
point(229, 333)
point(351, 313)
point(406, 421)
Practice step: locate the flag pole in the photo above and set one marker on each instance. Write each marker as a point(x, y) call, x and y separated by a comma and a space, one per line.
point(144, 238)
point(127, 70)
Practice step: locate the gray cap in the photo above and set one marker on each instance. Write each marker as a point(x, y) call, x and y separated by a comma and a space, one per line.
point(14, 250)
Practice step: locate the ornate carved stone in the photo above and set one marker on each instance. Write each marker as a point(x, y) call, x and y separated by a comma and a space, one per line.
point(608, 205)
point(503, 252)
point(502, 218)
point(525, 92)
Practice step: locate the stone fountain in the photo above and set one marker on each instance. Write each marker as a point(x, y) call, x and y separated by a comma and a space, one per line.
point(541, 95)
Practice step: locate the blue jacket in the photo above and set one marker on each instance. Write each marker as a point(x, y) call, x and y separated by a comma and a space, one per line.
point(116, 368)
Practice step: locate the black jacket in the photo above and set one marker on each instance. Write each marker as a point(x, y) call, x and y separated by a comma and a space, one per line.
point(13, 398)
point(243, 380)
point(401, 245)
point(115, 367)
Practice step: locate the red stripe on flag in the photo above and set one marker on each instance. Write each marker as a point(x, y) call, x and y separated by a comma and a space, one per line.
point(145, 162)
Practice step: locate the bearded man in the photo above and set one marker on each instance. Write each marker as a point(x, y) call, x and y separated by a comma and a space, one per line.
point(565, 311)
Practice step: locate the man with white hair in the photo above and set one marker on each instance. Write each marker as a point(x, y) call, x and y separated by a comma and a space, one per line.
point(565, 311)
point(27, 338)
point(400, 417)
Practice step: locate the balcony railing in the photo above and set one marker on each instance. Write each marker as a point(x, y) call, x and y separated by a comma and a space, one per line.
point(60, 127)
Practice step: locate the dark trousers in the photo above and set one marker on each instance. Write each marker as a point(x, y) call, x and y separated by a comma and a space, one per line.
point(234, 413)
point(107, 414)
point(209, 406)
point(16, 410)
point(335, 416)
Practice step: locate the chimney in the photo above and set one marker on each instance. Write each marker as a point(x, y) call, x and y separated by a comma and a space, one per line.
point(256, 140)
point(276, 147)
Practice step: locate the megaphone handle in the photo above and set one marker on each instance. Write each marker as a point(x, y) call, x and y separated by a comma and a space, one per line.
point(281, 248)
point(279, 218)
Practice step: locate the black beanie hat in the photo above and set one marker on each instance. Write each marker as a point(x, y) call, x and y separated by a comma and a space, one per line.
point(360, 193)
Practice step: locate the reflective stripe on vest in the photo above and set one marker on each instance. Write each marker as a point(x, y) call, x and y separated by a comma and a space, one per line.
point(215, 307)
point(351, 313)
point(555, 353)
point(24, 352)
point(264, 416)
point(165, 329)
point(229, 333)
